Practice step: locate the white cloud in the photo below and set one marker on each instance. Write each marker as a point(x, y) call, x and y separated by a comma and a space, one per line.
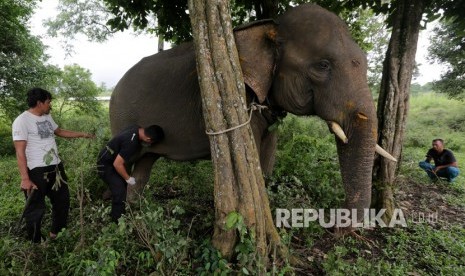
point(107, 61)
point(428, 72)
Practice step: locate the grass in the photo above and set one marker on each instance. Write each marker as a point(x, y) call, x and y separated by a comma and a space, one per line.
point(169, 230)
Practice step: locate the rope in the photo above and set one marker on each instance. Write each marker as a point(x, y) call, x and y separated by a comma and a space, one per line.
point(253, 107)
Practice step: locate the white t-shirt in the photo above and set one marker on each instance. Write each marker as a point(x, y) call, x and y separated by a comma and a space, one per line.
point(38, 132)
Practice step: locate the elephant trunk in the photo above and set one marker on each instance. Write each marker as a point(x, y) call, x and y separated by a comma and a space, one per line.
point(356, 156)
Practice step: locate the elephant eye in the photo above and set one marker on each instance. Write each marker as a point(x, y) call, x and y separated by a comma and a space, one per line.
point(320, 71)
point(324, 65)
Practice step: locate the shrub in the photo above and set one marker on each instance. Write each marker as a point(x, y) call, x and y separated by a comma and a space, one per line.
point(306, 173)
point(145, 240)
point(6, 141)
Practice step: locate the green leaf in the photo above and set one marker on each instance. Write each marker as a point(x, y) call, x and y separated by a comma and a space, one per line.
point(245, 271)
point(48, 157)
point(232, 219)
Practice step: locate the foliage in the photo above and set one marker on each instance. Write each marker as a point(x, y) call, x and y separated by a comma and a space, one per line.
point(11, 194)
point(306, 173)
point(170, 19)
point(210, 261)
point(85, 17)
point(81, 153)
point(420, 250)
point(77, 91)
point(6, 145)
point(448, 47)
point(146, 240)
point(178, 225)
point(430, 251)
point(246, 11)
point(433, 10)
point(22, 57)
point(98, 21)
point(173, 18)
point(428, 120)
point(416, 88)
point(245, 261)
point(377, 37)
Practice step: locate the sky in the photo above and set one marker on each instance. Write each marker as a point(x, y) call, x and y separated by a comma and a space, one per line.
point(109, 61)
point(106, 61)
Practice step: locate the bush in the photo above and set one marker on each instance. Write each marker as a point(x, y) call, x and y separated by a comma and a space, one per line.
point(6, 141)
point(145, 240)
point(306, 173)
point(157, 236)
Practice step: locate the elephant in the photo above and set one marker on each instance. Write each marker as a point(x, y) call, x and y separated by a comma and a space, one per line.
point(305, 63)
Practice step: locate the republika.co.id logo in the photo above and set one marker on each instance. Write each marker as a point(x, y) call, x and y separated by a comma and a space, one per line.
point(338, 218)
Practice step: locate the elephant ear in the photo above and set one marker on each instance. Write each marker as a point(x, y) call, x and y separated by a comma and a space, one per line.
point(256, 44)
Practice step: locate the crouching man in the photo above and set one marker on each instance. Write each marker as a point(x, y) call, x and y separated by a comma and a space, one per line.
point(113, 159)
point(445, 164)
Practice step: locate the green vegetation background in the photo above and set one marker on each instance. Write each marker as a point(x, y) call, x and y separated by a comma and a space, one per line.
point(169, 229)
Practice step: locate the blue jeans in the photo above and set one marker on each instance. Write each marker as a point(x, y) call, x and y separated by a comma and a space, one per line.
point(450, 173)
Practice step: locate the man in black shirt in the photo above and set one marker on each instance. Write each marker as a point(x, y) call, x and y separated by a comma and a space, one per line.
point(116, 154)
point(445, 164)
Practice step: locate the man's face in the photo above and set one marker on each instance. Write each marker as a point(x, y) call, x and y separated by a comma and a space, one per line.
point(438, 146)
point(45, 107)
point(146, 139)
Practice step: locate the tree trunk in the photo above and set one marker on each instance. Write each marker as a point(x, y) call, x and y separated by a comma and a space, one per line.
point(393, 102)
point(161, 43)
point(266, 9)
point(239, 184)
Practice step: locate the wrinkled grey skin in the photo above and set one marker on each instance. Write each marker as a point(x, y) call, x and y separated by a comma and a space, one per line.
point(305, 64)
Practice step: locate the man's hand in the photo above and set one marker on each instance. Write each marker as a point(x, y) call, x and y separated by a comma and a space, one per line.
point(131, 181)
point(27, 185)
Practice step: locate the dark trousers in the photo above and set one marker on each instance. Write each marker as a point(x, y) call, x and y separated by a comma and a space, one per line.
point(44, 178)
point(118, 188)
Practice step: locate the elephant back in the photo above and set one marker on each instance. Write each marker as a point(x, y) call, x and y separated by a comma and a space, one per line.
point(163, 89)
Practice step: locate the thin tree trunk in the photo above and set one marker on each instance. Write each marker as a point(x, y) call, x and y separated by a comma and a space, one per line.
point(393, 102)
point(161, 43)
point(266, 9)
point(239, 184)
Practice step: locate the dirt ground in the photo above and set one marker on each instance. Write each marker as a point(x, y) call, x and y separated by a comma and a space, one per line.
point(420, 202)
point(417, 199)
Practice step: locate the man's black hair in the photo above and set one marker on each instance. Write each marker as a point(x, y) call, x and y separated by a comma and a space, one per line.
point(439, 139)
point(155, 133)
point(37, 94)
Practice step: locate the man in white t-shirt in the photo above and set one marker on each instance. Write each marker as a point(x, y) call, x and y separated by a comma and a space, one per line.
point(39, 165)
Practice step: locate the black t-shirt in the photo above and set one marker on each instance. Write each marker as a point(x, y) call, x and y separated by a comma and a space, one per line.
point(126, 144)
point(444, 158)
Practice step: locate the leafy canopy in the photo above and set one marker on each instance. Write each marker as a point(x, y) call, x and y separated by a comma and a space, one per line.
point(76, 90)
point(22, 57)
point(448, 47)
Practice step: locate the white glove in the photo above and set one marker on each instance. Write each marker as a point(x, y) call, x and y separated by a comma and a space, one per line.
point(131, 181)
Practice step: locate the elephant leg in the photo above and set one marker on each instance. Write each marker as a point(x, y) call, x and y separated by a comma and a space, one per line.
point(265, 141)
point(268, 145)
point(141, 173)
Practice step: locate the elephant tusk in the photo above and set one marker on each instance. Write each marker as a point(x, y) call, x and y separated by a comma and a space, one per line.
point(384, 153)
point(362, 116)
point(336, 128)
